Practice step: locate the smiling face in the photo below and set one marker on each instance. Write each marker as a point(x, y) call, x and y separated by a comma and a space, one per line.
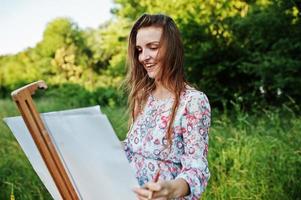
point(148, 46)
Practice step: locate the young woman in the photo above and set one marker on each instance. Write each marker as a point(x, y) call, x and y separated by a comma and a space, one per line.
point(167, 143)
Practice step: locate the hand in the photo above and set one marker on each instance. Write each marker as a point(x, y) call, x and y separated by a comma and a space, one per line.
point(161, 190)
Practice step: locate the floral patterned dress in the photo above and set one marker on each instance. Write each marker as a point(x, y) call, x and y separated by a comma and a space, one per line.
point(145, 145)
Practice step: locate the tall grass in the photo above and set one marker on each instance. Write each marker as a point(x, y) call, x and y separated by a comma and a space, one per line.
point(254, 156)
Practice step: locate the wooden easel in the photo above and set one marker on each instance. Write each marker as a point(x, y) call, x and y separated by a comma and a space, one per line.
point(36, 127)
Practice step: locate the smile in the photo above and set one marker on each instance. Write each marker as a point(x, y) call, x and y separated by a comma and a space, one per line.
point(149, 66)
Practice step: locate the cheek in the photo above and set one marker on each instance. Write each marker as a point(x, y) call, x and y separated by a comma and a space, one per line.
point(156, 55)
point(160, 56)
point(140, 58)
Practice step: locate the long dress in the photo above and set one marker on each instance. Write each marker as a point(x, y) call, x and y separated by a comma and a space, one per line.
point(146, 144)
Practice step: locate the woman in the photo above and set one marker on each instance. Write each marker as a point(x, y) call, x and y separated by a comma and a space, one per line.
point(167, 143)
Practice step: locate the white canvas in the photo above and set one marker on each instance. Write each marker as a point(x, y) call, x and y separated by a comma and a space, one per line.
point(89, 149)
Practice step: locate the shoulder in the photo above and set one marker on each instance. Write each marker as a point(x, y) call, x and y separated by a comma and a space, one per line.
point(194, 96)
point(197, 108)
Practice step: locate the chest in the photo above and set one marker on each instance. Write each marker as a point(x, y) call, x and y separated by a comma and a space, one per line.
point(148, 134)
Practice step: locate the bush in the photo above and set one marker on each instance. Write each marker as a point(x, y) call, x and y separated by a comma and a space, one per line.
point(74, 95)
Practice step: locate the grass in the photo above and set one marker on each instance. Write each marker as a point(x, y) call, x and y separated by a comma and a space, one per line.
point(250, 156)
point(255, 157)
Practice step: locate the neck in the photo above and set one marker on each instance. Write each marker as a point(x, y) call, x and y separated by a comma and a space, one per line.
point(161, 92)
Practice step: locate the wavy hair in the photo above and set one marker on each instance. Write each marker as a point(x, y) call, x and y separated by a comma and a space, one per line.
point(139, 85)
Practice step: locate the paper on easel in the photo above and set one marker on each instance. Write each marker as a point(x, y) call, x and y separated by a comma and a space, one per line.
point(89, 149)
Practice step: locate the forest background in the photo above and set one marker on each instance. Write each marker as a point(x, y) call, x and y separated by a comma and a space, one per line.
point(245, 55)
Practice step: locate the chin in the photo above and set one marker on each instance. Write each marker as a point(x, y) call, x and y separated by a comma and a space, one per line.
point(151, 75)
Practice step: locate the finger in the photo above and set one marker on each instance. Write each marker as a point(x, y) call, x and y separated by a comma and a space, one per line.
point(142, 192)
point(161, 194)
point(150, 196)
point(153, 186)
point(142, 198)
point(160, 198)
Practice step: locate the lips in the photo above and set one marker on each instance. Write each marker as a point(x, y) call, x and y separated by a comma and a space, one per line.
point(149, 66)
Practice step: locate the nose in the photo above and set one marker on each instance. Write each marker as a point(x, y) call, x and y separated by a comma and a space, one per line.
point(144, 56)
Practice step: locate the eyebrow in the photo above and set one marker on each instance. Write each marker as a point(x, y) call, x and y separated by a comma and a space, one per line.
point(150, 43)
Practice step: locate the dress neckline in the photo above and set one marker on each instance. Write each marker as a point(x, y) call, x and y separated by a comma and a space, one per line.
point(188, 88)
point(160, 100)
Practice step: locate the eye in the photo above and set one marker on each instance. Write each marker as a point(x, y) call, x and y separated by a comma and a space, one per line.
point(139, 50)
point(154, 47)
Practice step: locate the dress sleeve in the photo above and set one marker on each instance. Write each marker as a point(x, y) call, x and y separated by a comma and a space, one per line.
point(196, 121)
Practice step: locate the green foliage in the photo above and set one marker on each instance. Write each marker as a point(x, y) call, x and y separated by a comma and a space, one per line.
point(59, 33)
point(16, 70)
point(71, 95)
point(108, 46)
point(232, 57)
point(241, 51)
point(247, 50)
point(74, 95)
point(60, 57)
point(267, 55)
point(65, 66)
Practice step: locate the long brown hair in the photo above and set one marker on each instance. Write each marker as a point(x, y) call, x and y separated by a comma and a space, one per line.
point(138, 83)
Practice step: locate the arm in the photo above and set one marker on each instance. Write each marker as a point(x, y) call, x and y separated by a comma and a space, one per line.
point(196, 121)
